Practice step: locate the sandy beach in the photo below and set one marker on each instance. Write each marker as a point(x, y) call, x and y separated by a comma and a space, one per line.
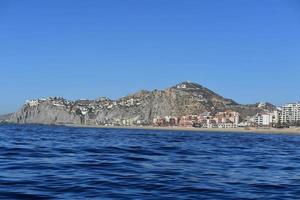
point(234, 130)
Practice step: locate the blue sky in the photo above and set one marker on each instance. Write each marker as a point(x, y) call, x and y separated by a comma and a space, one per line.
point(245, 50)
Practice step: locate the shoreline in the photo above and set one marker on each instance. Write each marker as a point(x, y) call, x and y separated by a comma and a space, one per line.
point(294, 130)
point(192, 129)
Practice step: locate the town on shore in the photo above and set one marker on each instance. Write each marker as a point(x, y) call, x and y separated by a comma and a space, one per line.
point(287, 116)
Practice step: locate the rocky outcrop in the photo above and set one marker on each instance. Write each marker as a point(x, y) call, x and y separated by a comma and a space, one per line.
point(45, 113)
point(139, 108)
point(5, 118)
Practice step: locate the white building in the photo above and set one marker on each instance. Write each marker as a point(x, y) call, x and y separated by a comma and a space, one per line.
point(182, 86)
point(276, 116)
point(263, 119)
point(261, 105)
point(32, 102)
point(267, 119)
point(290, 113)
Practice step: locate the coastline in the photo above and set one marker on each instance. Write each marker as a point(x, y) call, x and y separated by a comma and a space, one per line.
point(191, 129)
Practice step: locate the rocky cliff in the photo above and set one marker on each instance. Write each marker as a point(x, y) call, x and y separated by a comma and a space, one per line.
point(139, 108)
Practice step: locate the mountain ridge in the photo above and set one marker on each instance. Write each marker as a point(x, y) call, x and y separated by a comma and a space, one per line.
point(185, 98)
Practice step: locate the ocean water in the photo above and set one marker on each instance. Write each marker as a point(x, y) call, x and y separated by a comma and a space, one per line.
point(50, 162)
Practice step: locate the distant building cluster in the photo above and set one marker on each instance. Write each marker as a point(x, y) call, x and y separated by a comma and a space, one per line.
point(227, 119)
point(285, 116)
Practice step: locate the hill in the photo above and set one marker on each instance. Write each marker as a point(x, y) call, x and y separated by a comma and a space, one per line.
point(185, 98)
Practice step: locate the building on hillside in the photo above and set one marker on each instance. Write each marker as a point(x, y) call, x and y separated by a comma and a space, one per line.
point(261, 105)
point(32, 102)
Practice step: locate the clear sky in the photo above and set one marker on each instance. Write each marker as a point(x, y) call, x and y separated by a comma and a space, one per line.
point(245, 50)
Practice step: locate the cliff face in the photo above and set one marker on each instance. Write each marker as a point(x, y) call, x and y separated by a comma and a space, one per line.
point(139, 108)
point(45, 113)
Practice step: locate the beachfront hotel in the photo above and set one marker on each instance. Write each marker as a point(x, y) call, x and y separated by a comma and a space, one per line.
point(290, 113)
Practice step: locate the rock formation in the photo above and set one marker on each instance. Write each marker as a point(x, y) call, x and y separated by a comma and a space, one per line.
point(140, 108)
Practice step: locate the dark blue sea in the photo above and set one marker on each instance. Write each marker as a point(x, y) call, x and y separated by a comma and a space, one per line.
point(53, 162)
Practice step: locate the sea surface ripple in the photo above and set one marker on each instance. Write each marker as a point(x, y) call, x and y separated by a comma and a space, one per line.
point(56, 162)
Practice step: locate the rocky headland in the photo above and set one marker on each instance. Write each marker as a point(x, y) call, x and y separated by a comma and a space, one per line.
point(140, 108)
